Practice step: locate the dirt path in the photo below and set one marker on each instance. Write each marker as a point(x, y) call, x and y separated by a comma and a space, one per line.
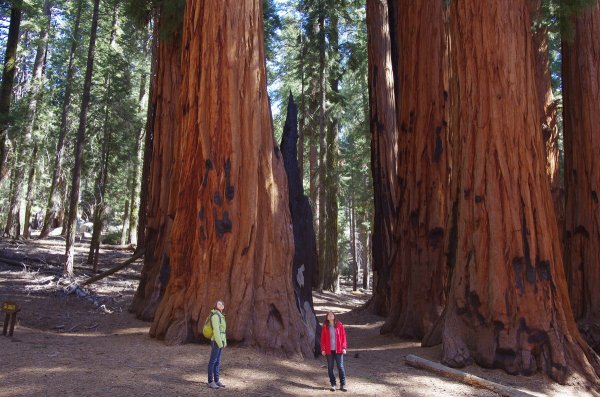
point(66, 346)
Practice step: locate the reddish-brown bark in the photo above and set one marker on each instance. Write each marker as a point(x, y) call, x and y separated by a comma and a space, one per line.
point(384, 150)
point(160, 210)
point(581, 79)
point(419, 271)
point(232, 237)
point(508, 305)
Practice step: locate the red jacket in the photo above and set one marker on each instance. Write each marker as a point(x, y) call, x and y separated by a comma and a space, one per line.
point(340, 338)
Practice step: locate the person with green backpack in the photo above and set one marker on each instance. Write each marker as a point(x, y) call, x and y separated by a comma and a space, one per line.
point(214, 329)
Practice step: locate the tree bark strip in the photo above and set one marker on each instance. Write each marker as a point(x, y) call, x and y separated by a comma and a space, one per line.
point(508, 305)
point(384, 150)
point(581, 79)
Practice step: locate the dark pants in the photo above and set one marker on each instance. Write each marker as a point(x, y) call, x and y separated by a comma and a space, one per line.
point(214, 362)
point(339, 359)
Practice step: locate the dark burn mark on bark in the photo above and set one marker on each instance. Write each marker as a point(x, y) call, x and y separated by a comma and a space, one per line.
point(595, 196)
point(530, 273)
point(445, 95)
point(217, 199)
point(414, 217)
point(224, 225)
point(275, 320)
point(438, 149)
point(201, 214)
point(580, 229)
point(403, 127)
point(466, 193)
point(478, 199)
point(435, 235)
point(229, 189)
point(518, 270)
point(543, 269)
point(202, 233)
point(165, 273)
point(207, 168)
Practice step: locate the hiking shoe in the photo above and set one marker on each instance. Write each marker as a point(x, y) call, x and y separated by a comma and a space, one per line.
point(343, 388)
point(213, 385)
point(220, 384)
point(332, 387)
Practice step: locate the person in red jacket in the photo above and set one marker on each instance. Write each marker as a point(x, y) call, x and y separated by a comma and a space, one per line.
point(333, 346)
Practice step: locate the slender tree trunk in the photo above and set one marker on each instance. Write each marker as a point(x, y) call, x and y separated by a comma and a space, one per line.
point(162, 172)
point(54, 197)
point(29, 195)
point(302, 122)
point(8, 78)
point(125, 221)
point(419, 272)
point(384, 150)
point(33, 95)
point(352, 218)
point(508, 305)
point(581, 71)
point(305, 244)
point(363, 253)
point(76, 174)
point(322, 179)
point(231, 226)
point(102, 178)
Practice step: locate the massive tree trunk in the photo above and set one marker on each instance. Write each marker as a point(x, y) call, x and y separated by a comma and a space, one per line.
point(162, 127)
point(35, 86)
point(231, 237)
point(548, 117)
point(581, 72)
point(76, 173)
point(305, 244)
point(419, 272)
point(54, 196)
point(384, 150)
point(8, 77)
point(508, 305)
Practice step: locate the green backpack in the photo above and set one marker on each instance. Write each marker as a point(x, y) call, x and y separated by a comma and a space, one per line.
point(207, 330)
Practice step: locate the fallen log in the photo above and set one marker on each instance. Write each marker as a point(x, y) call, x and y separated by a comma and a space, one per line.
point(114, 269)
point(463, 377)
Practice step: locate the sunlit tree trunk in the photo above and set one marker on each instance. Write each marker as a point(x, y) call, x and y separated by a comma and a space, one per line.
point(76, 172)
point(508, 305)
point(231, 238)
point(29, 194)
point(384, 150)
point(581, 79)
point(8, 76)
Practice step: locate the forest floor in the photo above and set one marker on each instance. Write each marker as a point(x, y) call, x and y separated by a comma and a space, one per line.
point(65, 345)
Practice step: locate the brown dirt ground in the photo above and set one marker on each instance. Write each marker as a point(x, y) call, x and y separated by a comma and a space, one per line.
point(65, 345)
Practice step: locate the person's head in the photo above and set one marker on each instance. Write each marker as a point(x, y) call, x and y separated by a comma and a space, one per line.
point(330, 317)
point(220, 305)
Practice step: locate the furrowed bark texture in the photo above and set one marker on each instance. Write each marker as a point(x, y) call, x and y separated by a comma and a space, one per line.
point(305, 244)
point(508, 305)
point(419, 272)
point(384, 150)
point(581, 77)
point(232, 234)
point(161, 211)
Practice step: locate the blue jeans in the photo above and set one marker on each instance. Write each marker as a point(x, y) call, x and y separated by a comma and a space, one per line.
point(214, 362)
point(339, 359)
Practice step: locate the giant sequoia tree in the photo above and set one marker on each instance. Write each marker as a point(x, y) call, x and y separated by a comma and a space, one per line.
point(418, 266)
point(581, 73)
point(508, 305)
point(231, 238)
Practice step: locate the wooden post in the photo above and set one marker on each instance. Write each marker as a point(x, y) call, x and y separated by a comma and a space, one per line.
point(11, 309)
